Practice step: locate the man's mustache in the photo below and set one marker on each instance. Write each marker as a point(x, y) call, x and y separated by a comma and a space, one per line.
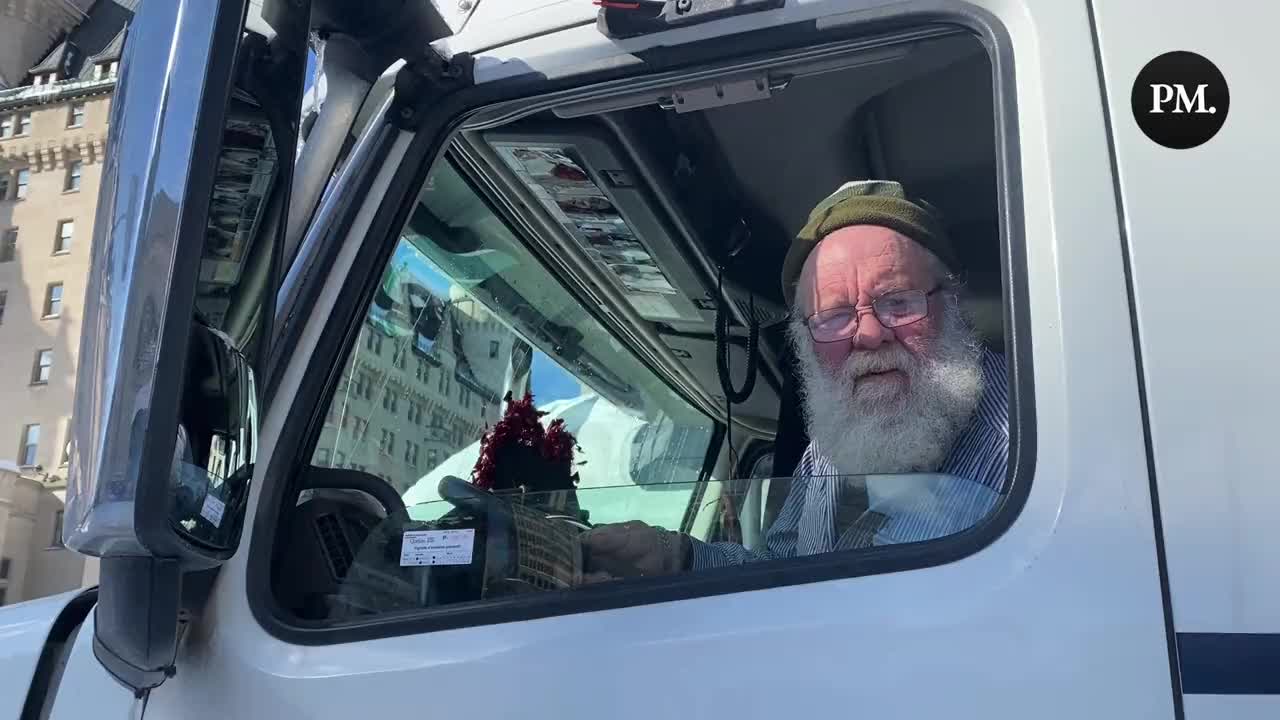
point(866, 362)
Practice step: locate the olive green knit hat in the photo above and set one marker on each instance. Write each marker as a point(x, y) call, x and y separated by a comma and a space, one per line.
point(868, 202)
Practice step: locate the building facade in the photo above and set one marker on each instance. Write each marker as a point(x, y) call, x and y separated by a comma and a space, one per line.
point(403, 406)
point(53, 134)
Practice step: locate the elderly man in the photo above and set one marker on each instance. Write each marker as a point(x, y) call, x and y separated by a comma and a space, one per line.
point(894, 381)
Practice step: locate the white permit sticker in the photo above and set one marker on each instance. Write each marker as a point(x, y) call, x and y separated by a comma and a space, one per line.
point(437, 547)
point(212, 510)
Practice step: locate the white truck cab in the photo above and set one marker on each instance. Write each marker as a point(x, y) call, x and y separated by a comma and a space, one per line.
point(299, 368)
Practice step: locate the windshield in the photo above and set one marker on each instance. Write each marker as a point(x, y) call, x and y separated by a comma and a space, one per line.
point(465, 317)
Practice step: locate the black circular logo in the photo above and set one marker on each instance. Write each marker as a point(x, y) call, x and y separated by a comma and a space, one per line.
point(1180, 100)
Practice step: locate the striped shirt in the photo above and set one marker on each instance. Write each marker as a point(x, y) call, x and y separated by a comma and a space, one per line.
point(826, 511)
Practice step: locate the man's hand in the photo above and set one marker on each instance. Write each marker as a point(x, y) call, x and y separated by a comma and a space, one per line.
point(633, 549)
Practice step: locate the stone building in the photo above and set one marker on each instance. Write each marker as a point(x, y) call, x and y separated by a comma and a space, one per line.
point(53, 134)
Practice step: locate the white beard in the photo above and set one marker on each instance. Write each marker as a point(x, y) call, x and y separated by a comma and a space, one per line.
point(895, 429)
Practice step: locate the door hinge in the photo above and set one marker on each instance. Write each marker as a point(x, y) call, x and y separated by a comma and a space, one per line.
point(424, 80)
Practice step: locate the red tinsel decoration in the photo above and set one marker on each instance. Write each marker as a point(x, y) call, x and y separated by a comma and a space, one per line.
point(516, 437)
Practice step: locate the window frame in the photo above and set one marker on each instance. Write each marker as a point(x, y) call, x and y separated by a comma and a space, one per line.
point(8, 121)
point(38, 367)
point(47, 309)
point(8, 252)
point(74, 176)
point(55, 542)
point(75, 119)
point(23, 444)
point(22, 183)
point(22, 122)
point(783, 44)
point(62, 243)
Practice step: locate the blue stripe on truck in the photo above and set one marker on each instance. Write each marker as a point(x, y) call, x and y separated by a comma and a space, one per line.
point(1229, 663)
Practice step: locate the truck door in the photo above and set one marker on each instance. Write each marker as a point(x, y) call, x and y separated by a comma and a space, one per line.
point(454, 262)
point(1209, 407)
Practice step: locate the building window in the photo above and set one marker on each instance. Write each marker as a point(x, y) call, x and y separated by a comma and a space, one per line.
point(42, 368)
point(62, 243)
point(4, 298)
point(411, 453)
point(9, 245)
point(53, 300)
point(56, 540)
point(72, 183)
point(30, 445)
point(388, 442)
point(24, 124)
point(4, 186)
point(494, 347)
point(66, 449)
point(115, 66)
point(24, 182)
point(76, 117)
point(6, 565)
point(6, 126)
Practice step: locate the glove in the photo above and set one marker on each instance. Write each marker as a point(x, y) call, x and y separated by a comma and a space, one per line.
point(633, 549)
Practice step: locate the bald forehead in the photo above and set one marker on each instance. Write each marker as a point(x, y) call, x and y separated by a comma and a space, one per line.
point(854, 265)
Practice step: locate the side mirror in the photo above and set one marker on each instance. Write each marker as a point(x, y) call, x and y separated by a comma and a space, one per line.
point(216, 438)
point(186, 252)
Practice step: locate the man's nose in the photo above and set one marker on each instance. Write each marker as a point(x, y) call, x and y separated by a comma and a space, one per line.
point(869, 334)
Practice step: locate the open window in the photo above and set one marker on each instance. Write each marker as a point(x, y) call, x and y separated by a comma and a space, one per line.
point(615, 260)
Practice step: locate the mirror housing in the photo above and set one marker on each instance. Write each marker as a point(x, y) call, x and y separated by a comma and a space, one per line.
point(186, 256)
point(151, 222)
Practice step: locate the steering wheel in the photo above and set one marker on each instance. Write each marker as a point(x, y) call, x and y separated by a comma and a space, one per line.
point(324, 478)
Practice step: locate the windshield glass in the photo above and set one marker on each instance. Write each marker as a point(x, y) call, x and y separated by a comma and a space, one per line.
point(465, 317)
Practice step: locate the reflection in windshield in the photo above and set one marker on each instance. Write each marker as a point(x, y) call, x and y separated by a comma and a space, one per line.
point(465, 315)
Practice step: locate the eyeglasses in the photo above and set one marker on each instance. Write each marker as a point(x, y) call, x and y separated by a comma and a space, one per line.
point(893, 310)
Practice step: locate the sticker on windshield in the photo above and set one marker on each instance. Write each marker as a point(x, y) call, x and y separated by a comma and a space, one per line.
point(437, 547)
point(212, 510)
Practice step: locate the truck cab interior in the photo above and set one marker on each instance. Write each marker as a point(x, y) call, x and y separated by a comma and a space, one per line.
point(656, 214)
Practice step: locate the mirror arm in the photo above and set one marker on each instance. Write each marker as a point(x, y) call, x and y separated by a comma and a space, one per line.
point(136, 620)
point(144, 606)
